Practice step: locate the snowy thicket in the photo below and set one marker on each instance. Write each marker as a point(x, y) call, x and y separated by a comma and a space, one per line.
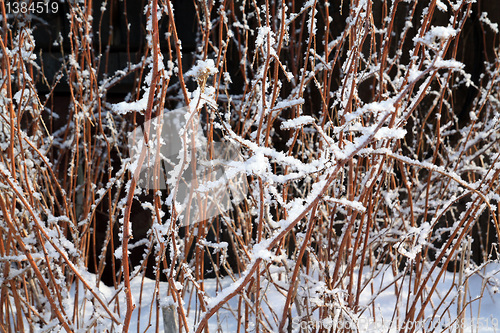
point(362, 170)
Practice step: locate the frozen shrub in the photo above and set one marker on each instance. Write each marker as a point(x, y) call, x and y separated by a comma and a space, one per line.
point(328, 153)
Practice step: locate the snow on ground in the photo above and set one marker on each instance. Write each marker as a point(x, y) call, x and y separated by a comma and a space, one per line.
point(378, 301)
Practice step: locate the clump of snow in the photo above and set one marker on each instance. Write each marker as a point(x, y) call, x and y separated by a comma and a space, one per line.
point(452, 64)
point(297, 122)
point(441, 6)
point(484, 19)
point(202, 69)
point(262, 36)
point(258, 164)
point(437, 34)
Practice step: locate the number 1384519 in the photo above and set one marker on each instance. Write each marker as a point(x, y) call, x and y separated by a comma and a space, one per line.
point(34, 7)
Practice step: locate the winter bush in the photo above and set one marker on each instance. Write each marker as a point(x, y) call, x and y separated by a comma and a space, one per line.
point(367, 138)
